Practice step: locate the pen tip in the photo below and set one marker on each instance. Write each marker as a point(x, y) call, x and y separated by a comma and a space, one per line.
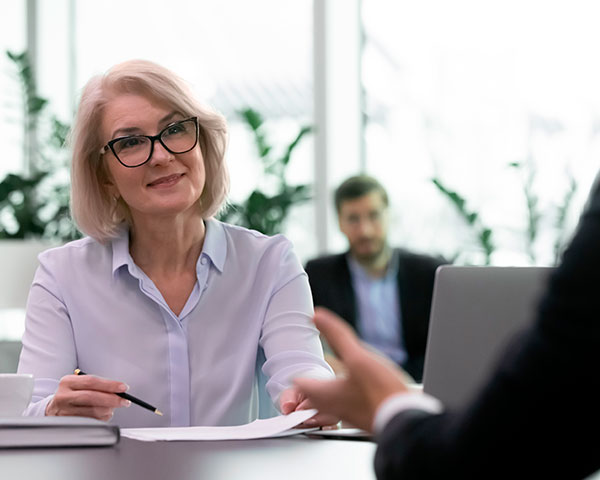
point(158, 412)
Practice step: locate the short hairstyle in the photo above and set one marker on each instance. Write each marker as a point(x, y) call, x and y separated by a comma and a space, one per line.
point(357, 186)
point(94, 210)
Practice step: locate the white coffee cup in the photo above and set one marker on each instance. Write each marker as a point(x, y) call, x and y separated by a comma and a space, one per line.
point(15, 393)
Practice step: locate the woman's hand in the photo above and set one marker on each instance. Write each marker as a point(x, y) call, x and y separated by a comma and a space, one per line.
point(292, 400)
point(87, 396)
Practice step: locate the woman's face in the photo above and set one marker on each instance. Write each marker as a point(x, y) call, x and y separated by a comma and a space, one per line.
point(168, 184)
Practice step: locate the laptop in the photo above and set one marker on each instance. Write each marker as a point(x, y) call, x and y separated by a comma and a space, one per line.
point(475, 312)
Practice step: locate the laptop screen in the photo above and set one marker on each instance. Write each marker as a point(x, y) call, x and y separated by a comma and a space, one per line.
point(475, 312)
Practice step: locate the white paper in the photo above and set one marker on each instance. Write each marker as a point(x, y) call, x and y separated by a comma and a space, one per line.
point(280, 426)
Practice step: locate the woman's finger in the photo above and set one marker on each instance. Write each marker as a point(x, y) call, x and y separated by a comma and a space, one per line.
point(100, 413)
point(85, 398)
point(91, 382)
point(289, 400)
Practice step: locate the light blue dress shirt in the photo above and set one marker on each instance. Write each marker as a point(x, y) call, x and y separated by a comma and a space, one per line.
point(248, 317)
point(378, 309)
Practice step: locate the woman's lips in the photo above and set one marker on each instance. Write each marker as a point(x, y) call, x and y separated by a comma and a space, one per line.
point(167, 181)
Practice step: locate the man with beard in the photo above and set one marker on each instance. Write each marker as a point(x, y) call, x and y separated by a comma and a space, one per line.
point(383, 292)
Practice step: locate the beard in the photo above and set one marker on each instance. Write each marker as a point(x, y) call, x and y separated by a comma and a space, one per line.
point(368, 250)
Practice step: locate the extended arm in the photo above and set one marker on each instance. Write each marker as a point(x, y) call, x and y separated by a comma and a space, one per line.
point(290, 340)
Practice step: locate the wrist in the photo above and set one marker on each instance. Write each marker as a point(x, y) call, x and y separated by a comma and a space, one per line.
point(50, 410)
point(395, 404)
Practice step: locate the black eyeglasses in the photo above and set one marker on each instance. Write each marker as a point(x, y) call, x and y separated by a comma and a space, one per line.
point(135, 150)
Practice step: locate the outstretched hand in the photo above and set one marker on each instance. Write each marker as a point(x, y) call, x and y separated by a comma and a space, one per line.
point(369, 379)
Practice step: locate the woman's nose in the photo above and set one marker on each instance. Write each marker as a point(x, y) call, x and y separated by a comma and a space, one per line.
point(160, 154)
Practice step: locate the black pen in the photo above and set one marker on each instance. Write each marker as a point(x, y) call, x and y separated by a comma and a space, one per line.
point(126, 396)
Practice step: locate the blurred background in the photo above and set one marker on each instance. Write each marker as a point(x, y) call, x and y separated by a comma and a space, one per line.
point(481, 118)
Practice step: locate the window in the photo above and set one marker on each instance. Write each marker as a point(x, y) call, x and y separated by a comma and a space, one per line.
point(12, 38)
point(459, 91)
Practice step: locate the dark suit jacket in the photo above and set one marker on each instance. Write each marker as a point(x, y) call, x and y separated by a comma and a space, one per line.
point(539, 414)
point(332, 288)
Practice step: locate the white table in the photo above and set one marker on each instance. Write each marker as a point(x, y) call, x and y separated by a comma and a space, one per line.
point(290, 458)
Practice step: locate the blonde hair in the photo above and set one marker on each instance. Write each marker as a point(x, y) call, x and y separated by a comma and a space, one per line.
point(93, 208)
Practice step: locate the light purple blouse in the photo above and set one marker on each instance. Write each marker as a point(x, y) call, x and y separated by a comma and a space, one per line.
point(246, 324)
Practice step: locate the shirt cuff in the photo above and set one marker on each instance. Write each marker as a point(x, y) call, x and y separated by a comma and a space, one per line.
point(38, 409)
point(400, 402)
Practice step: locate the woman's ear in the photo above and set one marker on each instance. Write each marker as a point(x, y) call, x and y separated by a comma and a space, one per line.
point(113, 191)
point(108, 183)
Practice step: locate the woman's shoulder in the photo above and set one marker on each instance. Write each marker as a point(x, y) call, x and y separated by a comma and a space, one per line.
point(245, 236)
point(65, 269)
point(251, 249)
point(75, 250)
point(254, 253)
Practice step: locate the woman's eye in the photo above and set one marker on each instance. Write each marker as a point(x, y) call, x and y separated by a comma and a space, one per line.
point(175, 129)
point(130, 142)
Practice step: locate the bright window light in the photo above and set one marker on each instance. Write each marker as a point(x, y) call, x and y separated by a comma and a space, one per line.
point(461, 90)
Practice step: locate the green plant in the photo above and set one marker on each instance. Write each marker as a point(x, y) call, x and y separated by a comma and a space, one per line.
point(483, 234)
point(561, 217)
point(266, 210)
point(534, 214)
point(532, 202)
point(36, 203)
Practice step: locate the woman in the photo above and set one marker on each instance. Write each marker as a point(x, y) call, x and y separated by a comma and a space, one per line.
point(160, 298)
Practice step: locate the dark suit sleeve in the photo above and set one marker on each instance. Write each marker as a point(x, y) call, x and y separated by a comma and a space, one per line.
point(538, 416)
